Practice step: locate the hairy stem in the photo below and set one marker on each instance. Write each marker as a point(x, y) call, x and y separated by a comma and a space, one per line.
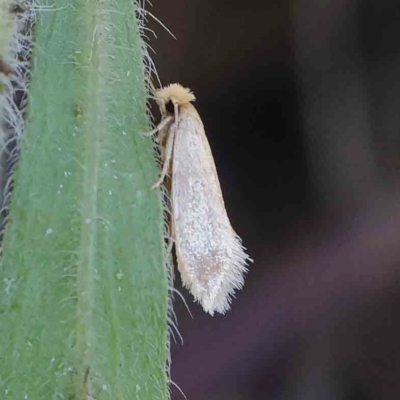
point(85, 290)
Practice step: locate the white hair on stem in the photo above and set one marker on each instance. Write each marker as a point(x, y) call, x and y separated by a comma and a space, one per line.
point(142, 15)
point(14, 79)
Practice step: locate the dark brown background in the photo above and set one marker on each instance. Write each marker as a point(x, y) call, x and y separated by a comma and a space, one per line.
point(300, 100)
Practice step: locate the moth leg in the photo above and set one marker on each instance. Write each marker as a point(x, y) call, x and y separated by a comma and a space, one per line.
point(164, 122)
point(161, 139)
point(168, 156)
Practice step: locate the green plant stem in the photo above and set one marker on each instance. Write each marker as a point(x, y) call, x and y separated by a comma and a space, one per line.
point(85, 292)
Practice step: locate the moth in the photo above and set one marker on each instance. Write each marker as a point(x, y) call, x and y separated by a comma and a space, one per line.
point(210, 256)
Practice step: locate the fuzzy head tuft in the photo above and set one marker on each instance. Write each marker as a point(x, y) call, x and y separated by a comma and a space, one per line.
point(175, 93)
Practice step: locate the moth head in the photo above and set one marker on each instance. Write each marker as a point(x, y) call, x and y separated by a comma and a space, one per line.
point(172, 95)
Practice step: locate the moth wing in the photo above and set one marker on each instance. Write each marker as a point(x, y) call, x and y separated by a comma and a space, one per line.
point(211, 258)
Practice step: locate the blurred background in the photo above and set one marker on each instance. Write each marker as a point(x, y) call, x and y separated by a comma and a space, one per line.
point(301, 104)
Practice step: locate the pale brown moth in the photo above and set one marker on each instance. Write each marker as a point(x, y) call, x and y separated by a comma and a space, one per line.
point(210, 255)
